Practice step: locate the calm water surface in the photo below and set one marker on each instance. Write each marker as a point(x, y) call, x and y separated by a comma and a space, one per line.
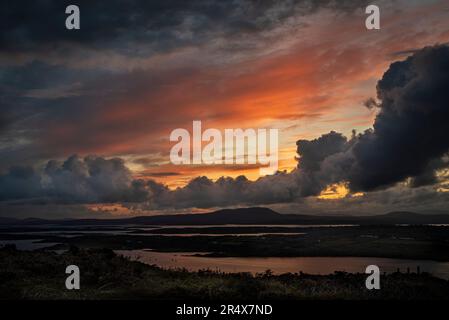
point(310, 265)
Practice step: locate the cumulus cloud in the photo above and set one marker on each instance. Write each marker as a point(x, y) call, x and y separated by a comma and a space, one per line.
point(408, 138)
point(314, 169)
point(410, 130)
point(76, 180)
point(202, 192)
point(98, 180)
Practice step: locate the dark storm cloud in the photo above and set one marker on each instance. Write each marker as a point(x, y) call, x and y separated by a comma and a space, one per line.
point(139, 27)
point(409, 136)
point(312, 154)
point(411, 129)
point(315, 151)
point(20, 183)
point(428, 176)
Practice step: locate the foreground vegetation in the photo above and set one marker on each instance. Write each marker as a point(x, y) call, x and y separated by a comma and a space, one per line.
point(105, 275)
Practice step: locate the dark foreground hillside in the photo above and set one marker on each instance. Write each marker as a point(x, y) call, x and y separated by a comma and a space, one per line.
point(104, 275)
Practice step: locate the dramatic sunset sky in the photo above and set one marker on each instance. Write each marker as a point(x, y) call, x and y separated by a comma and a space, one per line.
point(85, 115)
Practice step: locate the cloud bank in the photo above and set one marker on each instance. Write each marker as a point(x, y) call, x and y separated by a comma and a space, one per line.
point(408, 141)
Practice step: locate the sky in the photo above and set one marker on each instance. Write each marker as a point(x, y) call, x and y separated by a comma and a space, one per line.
point(86, 115)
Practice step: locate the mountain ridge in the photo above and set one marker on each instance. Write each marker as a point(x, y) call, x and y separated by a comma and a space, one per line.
point(251, 215)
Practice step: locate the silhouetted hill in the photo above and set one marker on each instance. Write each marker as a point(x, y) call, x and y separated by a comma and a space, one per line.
point(225, 216)
point(255, 215)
